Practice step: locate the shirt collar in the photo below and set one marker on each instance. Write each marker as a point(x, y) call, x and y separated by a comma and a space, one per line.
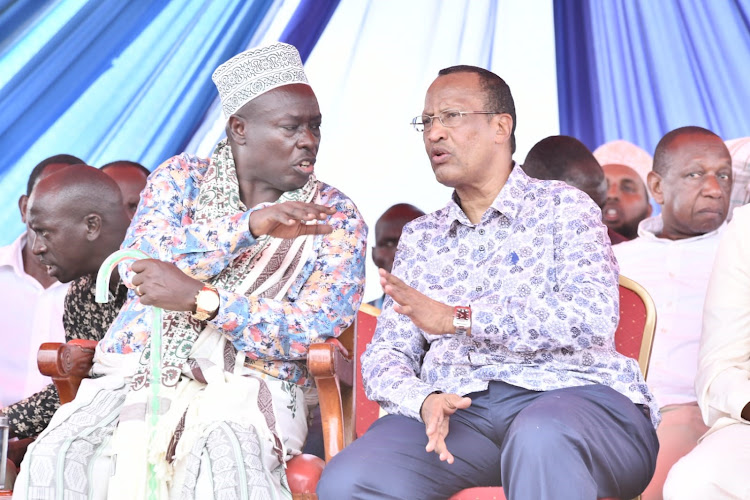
point(651, 227)
point(11, 255)
point(508, 201)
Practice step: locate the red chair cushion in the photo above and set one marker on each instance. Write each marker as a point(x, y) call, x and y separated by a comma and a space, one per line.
point(366, 411)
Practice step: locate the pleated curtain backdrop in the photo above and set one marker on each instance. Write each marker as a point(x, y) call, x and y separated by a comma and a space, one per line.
point(635, 70)
point(107, 79)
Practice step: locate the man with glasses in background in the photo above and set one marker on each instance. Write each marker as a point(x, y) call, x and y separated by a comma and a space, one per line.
point(495, 347)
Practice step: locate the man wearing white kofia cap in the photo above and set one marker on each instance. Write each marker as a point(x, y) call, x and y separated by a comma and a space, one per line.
point(253, 260)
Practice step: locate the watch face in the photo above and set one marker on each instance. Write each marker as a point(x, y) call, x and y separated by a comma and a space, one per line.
point(463, 314)
point(208, 300)
point(462, 317)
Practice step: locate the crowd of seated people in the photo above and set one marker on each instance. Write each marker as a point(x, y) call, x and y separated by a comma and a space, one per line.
point(493, 356)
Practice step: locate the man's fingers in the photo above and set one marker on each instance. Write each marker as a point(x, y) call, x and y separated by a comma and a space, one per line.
point(140, 265)
point(401, 309)
point(455, 402)
point(317, 229)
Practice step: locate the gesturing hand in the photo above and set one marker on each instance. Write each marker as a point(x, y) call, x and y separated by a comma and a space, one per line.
point(288, 219)
point(162, 284)
point(436, 411)
point(433, 317)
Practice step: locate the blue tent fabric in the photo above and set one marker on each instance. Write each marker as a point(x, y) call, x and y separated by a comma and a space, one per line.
point(307, 24)
point(635, 70)
point(120, 80)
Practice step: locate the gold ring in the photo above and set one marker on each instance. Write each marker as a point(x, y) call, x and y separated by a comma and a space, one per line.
point(138, 291)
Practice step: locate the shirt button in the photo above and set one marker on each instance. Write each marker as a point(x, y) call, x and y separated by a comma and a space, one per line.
point(481, 231)
point(481, 248)
point(479, 289)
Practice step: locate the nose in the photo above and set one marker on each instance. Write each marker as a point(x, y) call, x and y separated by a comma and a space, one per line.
point(436, 132)
point(37, 246)
point(308, 140)
point(711, 187)
point(612, 190)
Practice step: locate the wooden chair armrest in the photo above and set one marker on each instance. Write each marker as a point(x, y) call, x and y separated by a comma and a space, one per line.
point(67, 364)
point(333, 372)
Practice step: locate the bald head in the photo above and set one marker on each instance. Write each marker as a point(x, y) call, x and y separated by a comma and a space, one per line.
point(565, 158)
point(388, 231)
point(692, 181)
point(78, 219)
point(672, 142)
point(131, 177)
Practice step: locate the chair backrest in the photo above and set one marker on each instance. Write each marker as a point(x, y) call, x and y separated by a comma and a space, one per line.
point(634, 336)
point(366, 411)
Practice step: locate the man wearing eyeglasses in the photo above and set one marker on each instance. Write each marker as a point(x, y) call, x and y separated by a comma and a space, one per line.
point(495, 347)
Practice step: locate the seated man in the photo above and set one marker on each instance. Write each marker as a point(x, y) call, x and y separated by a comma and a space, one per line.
point(627, 202)
point(32, 302)
point(717, 467)
point(78, 219)
point(565, 158)
point(131, 177)
point(620, 152)
point(387, 232)
point(495, 347)
point(672, 259)
point(739, 150)
point(254, 259)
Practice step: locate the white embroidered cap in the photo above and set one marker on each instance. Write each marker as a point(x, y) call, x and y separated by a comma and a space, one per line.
point(625, 153)
point(256, 71)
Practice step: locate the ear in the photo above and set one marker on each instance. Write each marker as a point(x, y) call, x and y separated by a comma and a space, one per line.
point(23, 202)
point(93, 226)
point(503, 127)
point(236, 129)
point(655, 184)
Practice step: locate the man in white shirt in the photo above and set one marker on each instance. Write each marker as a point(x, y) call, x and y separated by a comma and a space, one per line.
point(32, 303)
point(717, 468)
point(672, 257)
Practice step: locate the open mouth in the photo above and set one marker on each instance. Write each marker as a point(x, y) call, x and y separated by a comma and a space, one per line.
point(610, 214)
point(439, 156)
point(306, 166)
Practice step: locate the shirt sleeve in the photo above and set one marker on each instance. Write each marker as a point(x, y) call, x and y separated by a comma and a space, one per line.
point(723, 378)
point(580, 309)
point(163, 227)
point(325, 305)
point(392, 362)
point(31, 416)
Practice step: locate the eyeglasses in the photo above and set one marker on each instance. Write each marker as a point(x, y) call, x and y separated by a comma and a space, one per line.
point(449, 118)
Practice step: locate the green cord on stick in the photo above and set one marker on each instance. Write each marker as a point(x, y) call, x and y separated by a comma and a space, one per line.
point(102, 295)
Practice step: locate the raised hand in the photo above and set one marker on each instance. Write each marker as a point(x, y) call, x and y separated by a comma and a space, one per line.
point(431, 316)
point(436, 411)
point(290, 219)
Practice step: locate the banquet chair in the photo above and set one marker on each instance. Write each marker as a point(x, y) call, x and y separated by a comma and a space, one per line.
point(352, 413)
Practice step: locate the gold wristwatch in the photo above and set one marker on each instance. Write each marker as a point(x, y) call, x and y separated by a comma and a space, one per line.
point(206, 303)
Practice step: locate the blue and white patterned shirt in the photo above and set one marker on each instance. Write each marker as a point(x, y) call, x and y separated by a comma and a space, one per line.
point(542, 282)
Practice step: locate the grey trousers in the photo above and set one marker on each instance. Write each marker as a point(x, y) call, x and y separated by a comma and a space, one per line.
point(577, 443)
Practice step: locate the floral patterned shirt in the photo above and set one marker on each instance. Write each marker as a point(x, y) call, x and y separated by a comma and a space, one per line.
point(83, 318)
point(542, 282)
point(320, 303)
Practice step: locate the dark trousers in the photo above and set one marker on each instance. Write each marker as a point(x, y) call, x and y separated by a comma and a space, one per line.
point(576, 443)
